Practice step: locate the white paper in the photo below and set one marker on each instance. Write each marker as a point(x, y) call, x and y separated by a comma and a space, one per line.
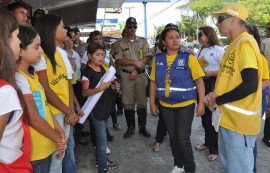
point(216, 116)
point(92, 100)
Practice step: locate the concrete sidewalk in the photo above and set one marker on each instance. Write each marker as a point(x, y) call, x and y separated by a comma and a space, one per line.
point(135, 155)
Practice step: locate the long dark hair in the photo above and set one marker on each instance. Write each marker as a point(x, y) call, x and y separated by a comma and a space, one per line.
point(210, 33)
point(27, 36)
point(252, 30)
point(8, 24)
point(46, 26)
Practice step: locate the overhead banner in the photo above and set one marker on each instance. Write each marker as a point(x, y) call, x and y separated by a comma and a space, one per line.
point(113, 10)
point(109, 26)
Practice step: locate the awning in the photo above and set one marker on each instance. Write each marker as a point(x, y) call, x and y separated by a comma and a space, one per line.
point(75, 12)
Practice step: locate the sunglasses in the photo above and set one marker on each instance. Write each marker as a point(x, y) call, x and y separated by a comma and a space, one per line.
point(171, 26)
point(200, 34)
point(221, 18)
point(130, 27)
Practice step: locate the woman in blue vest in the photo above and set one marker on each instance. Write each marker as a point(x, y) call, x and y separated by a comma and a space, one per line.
point(176, 77)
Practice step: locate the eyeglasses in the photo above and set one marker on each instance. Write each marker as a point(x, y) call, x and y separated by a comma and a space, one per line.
point(200, 34)
point(130, 27)
point(221, 18)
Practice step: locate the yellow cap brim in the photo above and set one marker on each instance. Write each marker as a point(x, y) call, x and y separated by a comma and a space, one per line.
point(216, 14)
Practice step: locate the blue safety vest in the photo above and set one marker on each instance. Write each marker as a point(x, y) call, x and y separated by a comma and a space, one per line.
point(182, 87)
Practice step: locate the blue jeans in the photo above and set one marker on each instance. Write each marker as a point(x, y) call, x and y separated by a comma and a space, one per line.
point(236, 151)
point(42, 166)
point(56, 166)
point(101, 137)
point(69, 159)
point(264, 106)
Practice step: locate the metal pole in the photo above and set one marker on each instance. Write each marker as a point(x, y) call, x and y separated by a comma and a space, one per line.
point(102, 25)
point(129, 10)
point(145, 21)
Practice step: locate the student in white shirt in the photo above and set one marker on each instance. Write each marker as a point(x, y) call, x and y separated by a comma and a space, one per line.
point(14, 130)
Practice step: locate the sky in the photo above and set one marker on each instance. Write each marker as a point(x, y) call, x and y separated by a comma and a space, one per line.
point(169, 15)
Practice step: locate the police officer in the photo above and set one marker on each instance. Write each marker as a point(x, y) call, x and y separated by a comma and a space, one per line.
point(132, 53)
point(78, 46)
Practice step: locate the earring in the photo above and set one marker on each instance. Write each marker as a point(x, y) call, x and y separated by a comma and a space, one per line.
point(164, 47)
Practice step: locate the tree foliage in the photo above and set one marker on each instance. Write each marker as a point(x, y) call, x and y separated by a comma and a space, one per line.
point(259, 10)
point(197, 12)
point(159, 29)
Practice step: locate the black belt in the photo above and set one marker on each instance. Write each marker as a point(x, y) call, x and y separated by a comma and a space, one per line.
point(139, 71)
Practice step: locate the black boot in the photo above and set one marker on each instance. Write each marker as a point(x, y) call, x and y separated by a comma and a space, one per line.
point(119, 106)
point(130, 119)
point(266, 138)
point(142, 117)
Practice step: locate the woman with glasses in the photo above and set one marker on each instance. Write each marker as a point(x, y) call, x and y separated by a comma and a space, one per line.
point(209, 57)
point(176, 77)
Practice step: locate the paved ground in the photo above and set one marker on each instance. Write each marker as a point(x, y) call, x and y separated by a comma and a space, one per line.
point(135, 155)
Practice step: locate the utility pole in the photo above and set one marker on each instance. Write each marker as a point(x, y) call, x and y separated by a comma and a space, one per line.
point(145, 20)
point(129, 10)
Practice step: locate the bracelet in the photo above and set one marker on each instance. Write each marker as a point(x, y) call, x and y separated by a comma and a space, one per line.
point(69, 118)
point(72, 116)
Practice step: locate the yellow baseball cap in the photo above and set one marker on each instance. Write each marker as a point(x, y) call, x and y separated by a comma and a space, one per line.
point(233, 9)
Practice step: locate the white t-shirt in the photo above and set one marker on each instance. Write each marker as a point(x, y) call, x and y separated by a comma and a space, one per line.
point(12, 139)
point(210, 58)
point(42, 65)
point(84, 59)
point(67, 62)
point(77, 59)
point(23, 84)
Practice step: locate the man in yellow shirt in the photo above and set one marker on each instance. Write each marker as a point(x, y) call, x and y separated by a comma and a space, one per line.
point(238, 91)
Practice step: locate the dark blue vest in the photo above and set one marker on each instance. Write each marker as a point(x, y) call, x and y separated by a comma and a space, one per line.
point(182, 86)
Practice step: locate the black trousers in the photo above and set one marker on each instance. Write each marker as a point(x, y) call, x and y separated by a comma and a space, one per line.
point(211, 136)
point(161, 127)
point(178, 122)
point(113, 112)
point(77, 88)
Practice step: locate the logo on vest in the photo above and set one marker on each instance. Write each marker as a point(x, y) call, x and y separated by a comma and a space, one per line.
point(180, 65)
point(180, 62)
point(57, 79)
point(231, 58)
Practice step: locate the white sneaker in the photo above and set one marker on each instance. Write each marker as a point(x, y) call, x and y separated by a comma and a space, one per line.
point(176, 169)
point(108, 151)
